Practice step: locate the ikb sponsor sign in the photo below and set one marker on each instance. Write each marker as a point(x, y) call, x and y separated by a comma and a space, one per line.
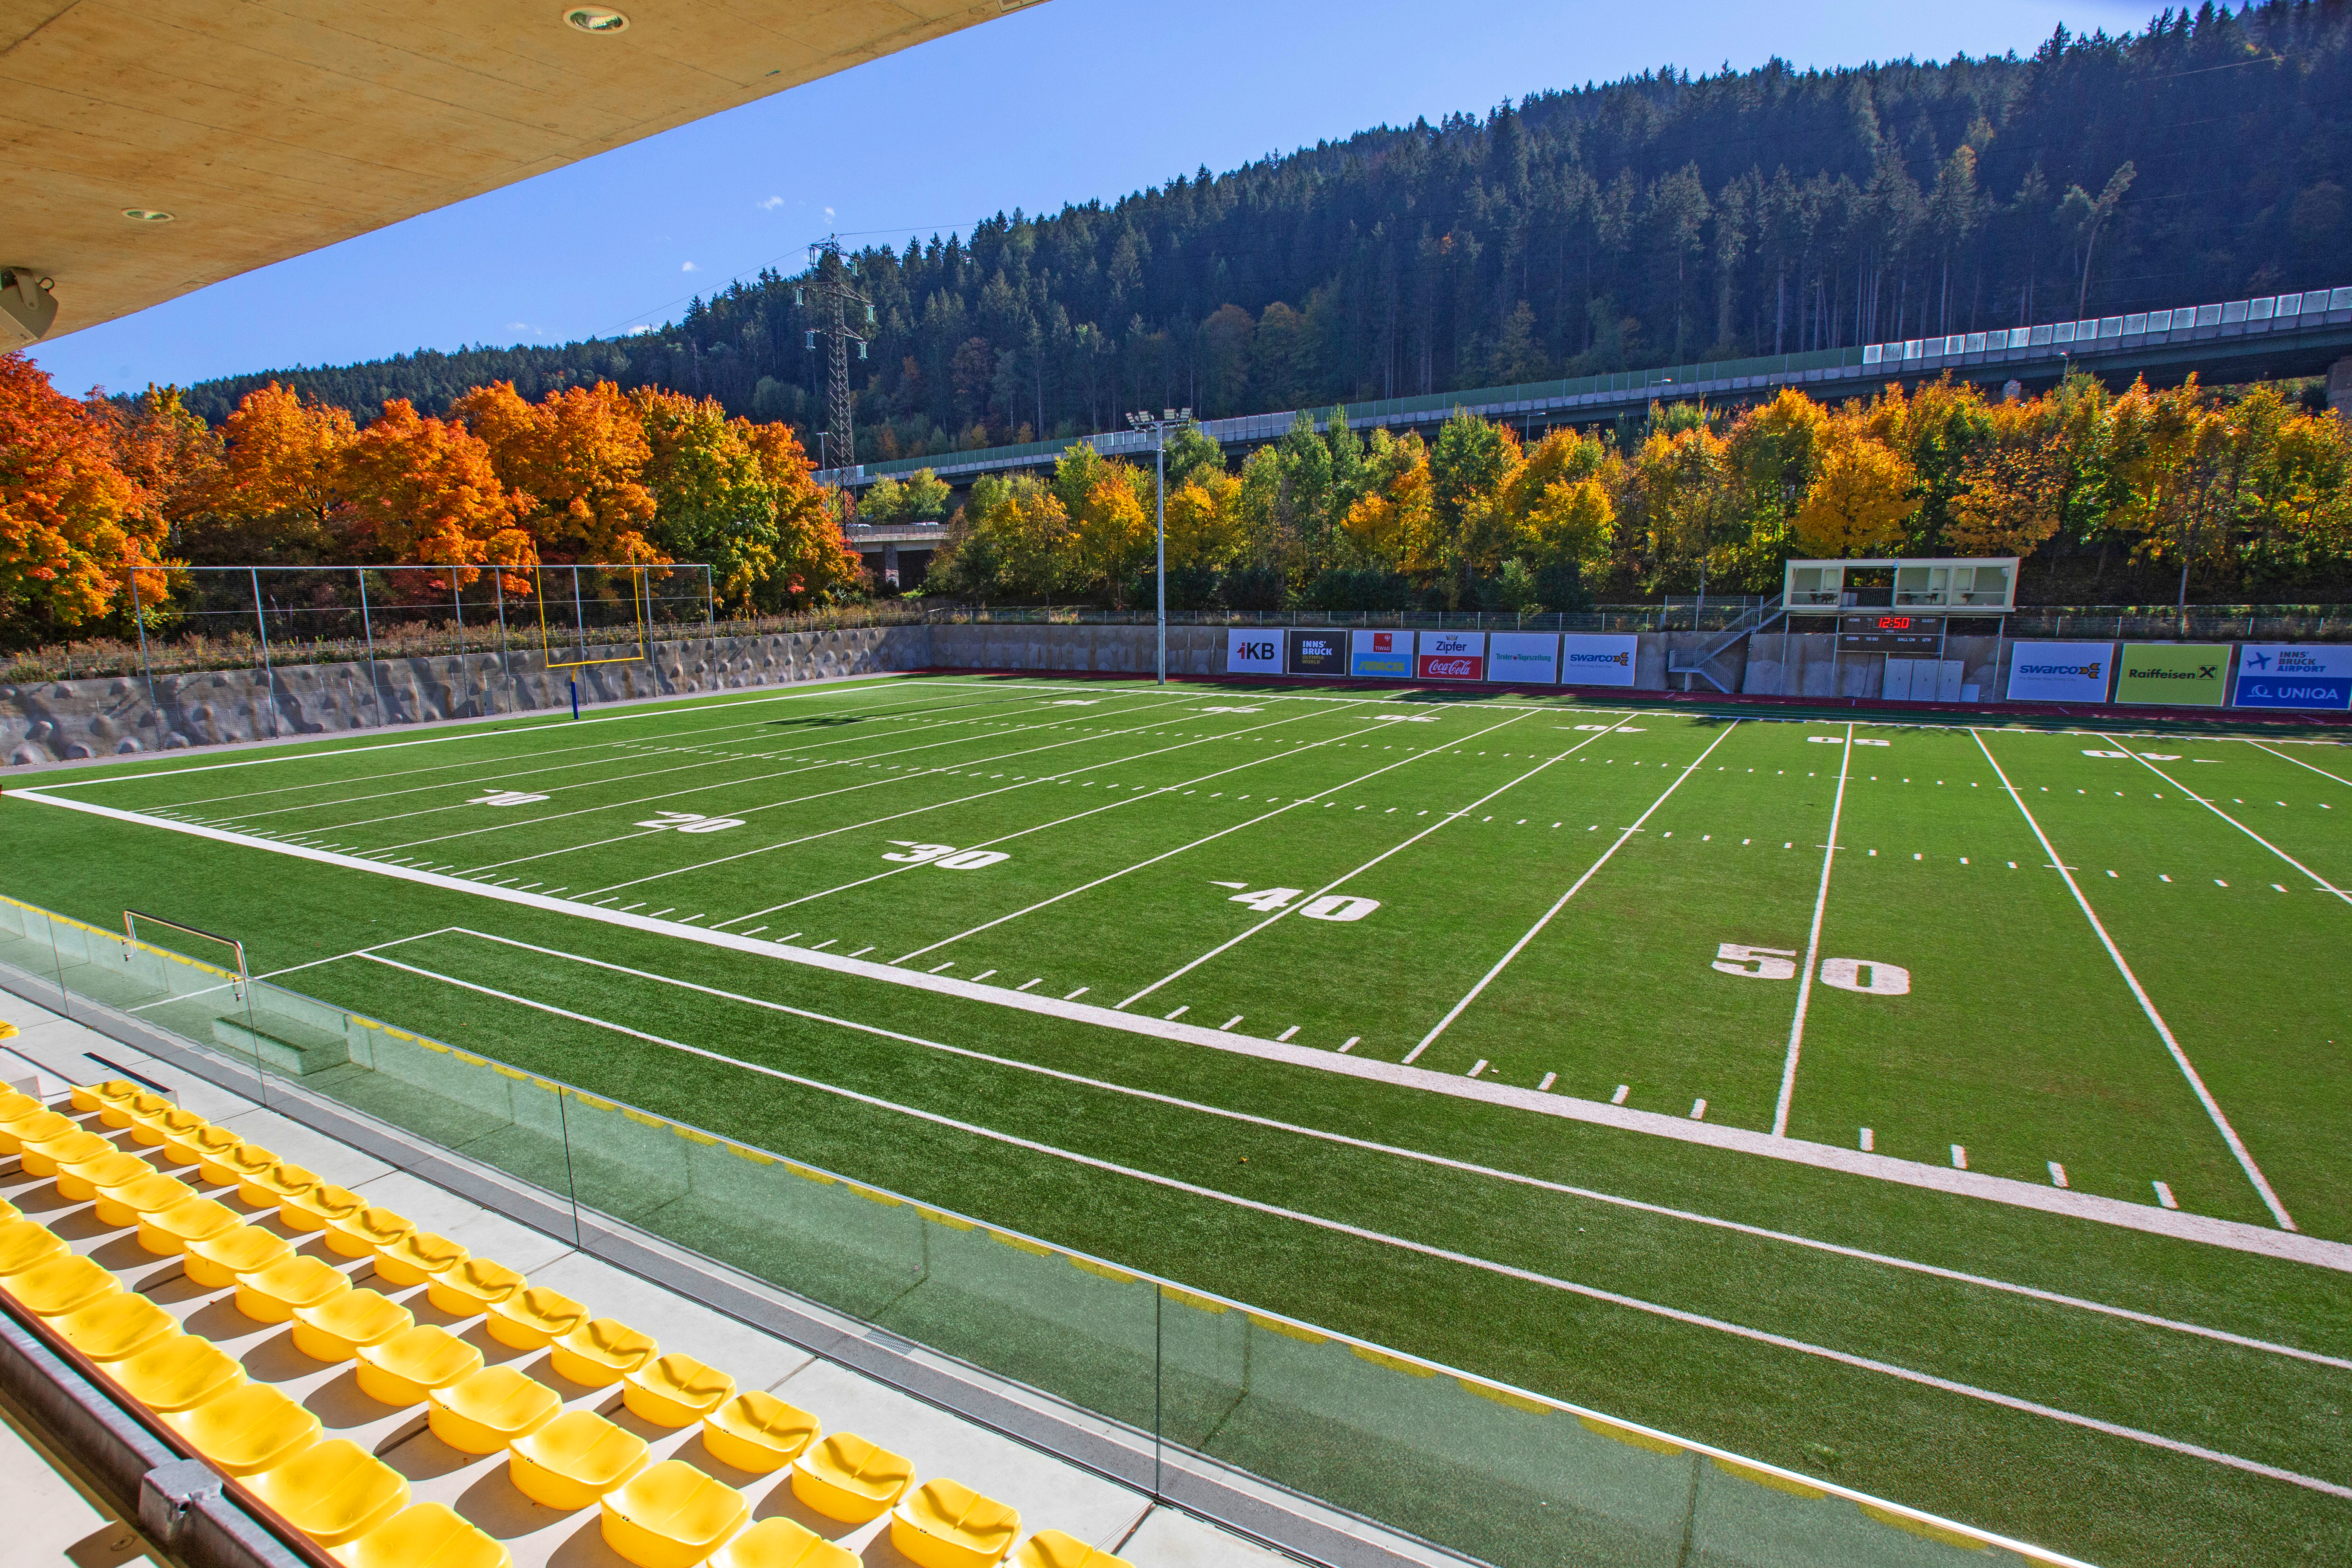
point(1384, 655)
point(2295, 675)
point(1531, 658)
point(1591, 660)
point(2059, 671)
point(2173, 674)
point(1452, 656)
point(1256, 652)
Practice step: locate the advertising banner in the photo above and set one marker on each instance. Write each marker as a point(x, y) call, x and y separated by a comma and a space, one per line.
point(1386, 654)
point(1256, 652)
point(2059, 671)
point(2295, 675)
point(2175, 674)
point(1452, 656)
point(1532, 657)
point(1314, 652)
point(1587, 659)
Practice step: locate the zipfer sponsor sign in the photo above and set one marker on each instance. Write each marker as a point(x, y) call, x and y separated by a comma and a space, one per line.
point(2295, 675)
point(1255, 652)
point(1452, 656)
point(1386, 654)
point(2059, 671)
point(2173, 674)
point(1598, 661)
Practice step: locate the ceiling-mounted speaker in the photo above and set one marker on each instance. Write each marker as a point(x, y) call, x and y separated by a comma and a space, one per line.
point(29, 304)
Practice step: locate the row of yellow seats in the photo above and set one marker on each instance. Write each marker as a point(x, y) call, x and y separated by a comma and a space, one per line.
point(651, 1516)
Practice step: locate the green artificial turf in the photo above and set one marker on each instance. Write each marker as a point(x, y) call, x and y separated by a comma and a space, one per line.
point(1134, 821)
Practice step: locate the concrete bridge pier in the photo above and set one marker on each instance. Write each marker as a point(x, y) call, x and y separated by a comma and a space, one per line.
point(2339, 388)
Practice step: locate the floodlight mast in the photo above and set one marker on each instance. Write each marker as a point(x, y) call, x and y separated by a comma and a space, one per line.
point(833, 282)
point(1169, 418)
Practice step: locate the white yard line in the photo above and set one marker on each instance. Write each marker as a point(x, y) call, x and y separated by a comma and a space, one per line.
point(2317, 881)
point(1405, 1244)
point(2298, 762)
point(2164, 1031)
point(2230, 1234)
point(1535, 930)
point(1812, 949)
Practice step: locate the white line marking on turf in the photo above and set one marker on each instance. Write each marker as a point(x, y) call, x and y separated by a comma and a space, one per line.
point(2057, 1175)
point(2298, 762)
point(2318, 880)
point(2164, 1031)
point(1548, 1079)
point(1071, 998)
point(2164, 1195)
point(1478, 1069)
point(1179, 1013)
point(1405, 1244)
point(1812, 948)
point(950, 965)
point(1622, 1090)
point(1353, 1041)
point(1698, 1110)
point(1287, 1033)
point(1562, 903)
point(1960, 1157)
point(1026, 984)
point(1230, 1022)
point(1869, 1140)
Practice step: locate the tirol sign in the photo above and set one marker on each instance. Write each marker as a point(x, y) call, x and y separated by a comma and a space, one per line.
point(1452, 656)
point(1381, 654)
point(1255, 652)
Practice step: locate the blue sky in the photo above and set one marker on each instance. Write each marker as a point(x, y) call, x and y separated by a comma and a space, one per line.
point(1065, 102)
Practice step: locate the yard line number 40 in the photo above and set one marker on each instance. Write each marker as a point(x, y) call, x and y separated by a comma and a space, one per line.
point(1328, 907)
point(1865, 976)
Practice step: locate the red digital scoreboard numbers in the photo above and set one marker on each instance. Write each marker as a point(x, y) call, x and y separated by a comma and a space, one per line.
point(1887, 631)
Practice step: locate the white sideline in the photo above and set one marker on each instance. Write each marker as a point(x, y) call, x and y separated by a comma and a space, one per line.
point(2324, 884)
point(2298, 762)
point(2231, 1234)
point(1812, 948)
point(2212, 1107)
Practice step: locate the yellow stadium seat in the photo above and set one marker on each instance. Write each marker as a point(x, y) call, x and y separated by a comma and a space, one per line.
point(207, 1148)
point(1052, 1548)
point(676, 1391)
point(116, 1325)
point(128, 1201)
point(601, 1352)
point(470, 1288)
point(9, 1211)
point(157, 1132)
point(89, 1097)
point(250, 1427)
point(359, 1234)
point(267, 1188)
point(850, 1478)
point(42, 1156)
point(946, 1524)
point(670, 1515)
point(425, 1536)
point(32, 1127)
point(573, 1459)
point(320, 1207)
point(231, 1165)
point(177, 1374)
point(61, 1285)
point(413, 1362)
point(167, 1232)
point(334, 1492)
point(24, 1243)
point(336, 1328)
point(15, 1103)
point(271, 1295)
point(125, 1113)
point(757, 1431)
point(783, 1542)
point(483, 1413)
point(79, 1180)
point(416, 1256)
point(534, 1318)
point(217, 1260)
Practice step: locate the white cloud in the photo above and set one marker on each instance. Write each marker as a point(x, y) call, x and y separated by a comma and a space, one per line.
point(642, 327)
point(689, 267)
point(773, 203)
point(828, 212)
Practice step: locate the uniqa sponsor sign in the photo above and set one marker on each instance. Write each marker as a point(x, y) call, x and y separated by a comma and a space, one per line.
point(1452, 656)
point(2059, 671)
point(2295, 675)
point(1592, 659)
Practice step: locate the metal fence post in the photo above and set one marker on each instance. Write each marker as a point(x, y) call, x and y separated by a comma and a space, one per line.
point(367, 630)
point(457, 637)
point(269, 678)
point(506, 652)
point(139, 619)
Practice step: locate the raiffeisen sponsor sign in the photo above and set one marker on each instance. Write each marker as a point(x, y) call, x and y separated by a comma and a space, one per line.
point(1385, 655)
point(1592, 659)
point(2173, 674)
point(1452, 656)
point(2295, 675)
point(1256, 652)
point(2060, 671)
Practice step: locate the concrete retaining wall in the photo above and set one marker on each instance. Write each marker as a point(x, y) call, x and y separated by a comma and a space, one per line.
point(1809, 665)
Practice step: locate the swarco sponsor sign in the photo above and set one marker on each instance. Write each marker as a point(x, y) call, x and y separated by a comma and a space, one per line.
point(1592, 660)
point(1381, 654)
point(1530, 658)
point(1452, 656)
point(1255, 652)
point(2295, 675)
point(2173, 674)
point(2059, 671)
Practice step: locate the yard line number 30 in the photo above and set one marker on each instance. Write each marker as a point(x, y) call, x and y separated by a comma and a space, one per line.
point(1866, 975)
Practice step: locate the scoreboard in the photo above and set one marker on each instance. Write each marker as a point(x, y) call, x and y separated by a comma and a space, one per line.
point(1883, 631)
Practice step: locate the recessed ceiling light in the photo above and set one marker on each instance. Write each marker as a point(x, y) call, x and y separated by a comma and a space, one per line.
point(596, 19)
point(146, 215)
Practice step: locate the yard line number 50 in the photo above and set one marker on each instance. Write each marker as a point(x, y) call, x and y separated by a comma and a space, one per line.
point(1866, 975)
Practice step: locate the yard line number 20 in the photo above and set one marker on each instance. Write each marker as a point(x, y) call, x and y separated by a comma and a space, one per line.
point(1867, 976)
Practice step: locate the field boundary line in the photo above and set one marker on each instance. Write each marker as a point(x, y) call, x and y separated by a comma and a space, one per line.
point(2147, 1005)
point(1343, 879)
point(1419, 1156)
point(1591, 871)
point(2324, 885)
point(1405, 1244)
point(2298, 762)
point(2233, 1235)
point(1812, 948)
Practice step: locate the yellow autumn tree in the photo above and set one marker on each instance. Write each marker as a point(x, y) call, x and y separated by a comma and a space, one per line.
point(1861, 496)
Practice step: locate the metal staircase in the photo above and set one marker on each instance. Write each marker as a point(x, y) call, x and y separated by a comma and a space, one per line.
point(1748, 624)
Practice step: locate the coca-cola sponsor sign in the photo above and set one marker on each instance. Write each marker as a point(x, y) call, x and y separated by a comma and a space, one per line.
point(1452, 656)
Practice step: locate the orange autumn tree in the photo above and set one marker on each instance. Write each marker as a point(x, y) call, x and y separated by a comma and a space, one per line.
point(424, 490)
point(73, 527)
point(813, 559)
point(278, 485)
point(578, 459)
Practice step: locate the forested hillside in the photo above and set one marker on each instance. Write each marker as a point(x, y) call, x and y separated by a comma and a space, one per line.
point(1656, 219)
